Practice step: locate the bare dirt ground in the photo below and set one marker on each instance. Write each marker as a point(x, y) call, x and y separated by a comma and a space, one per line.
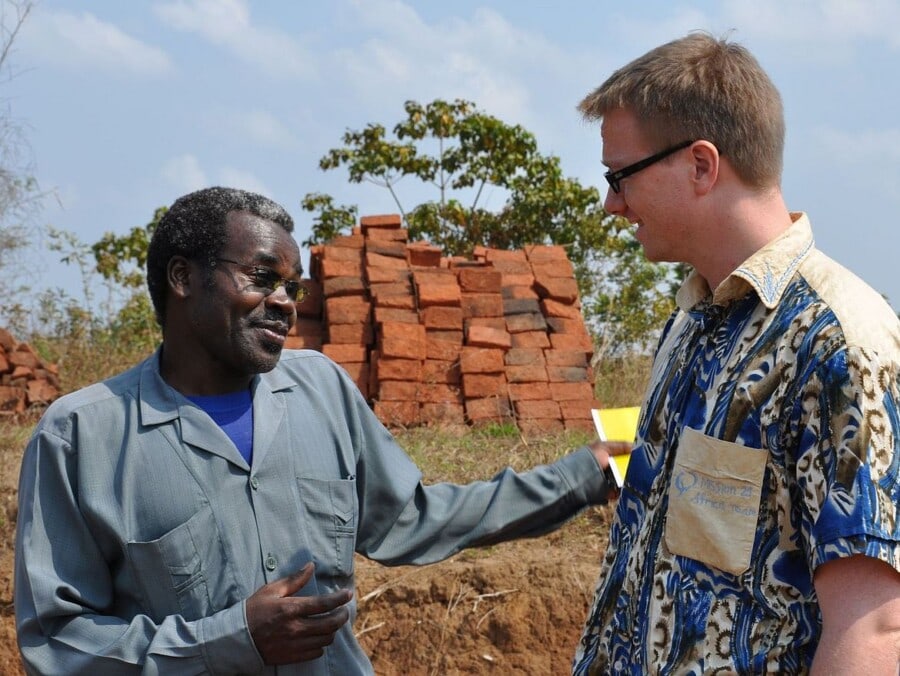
point(515, 608)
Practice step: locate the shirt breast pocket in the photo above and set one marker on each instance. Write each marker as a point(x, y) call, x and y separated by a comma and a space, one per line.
point(332, 515)
point(714, 500)
point(172, 570)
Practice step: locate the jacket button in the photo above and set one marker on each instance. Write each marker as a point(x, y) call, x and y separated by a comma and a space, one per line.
point(271, 563)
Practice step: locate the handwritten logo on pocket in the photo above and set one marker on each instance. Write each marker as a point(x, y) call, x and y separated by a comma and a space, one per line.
point(685, 481)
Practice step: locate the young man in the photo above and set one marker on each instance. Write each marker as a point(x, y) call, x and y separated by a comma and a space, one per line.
point(758, 530)
point(199, 513)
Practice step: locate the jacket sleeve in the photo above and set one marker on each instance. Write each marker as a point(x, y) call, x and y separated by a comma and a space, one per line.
point(64, 598)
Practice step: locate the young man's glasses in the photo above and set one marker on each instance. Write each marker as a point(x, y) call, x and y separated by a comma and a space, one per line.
point(613, 177)
point(268, 281)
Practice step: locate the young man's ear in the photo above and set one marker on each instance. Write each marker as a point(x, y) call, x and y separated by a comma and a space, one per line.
point(179, 273)
point(706, 166)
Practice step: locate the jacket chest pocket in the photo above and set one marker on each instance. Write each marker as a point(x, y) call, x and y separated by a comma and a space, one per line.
point(331, 516)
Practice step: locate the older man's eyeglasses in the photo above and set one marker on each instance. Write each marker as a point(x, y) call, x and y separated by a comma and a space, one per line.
point(268, 281)
point(614, 177)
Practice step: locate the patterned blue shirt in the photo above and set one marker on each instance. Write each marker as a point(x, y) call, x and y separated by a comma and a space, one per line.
point(768, 444)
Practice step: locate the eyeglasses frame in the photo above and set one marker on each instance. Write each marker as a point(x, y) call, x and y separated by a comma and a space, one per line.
point(615, 177)
point(278, 282)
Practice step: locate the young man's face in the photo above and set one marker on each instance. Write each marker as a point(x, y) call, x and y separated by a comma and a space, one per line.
point(652, 198)
point(238, 325)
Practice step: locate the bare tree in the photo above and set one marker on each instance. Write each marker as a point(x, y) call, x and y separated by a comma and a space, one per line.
point(20, 194)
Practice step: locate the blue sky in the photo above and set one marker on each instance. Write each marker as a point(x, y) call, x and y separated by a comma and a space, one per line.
point(130, 104)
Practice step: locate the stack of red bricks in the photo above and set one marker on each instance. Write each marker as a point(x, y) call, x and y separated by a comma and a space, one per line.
point(25, 379)
point(429, 339)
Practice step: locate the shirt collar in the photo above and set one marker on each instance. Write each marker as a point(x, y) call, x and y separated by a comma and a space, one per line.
point(767, 272)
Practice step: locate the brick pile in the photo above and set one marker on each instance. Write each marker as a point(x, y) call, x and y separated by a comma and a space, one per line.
point(431, 339)
point(25, 380)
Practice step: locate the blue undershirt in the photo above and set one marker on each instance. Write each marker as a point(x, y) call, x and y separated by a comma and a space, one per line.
point(232, 412)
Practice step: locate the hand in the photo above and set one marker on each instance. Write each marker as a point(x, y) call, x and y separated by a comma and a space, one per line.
point(287, 628)
point(603, 449)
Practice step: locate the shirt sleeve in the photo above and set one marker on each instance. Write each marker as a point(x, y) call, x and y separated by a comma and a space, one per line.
point(64, 592)
point(848, 458)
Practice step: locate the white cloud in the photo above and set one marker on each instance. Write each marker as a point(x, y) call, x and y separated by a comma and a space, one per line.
point(485, 59)
point(834, 25)
point(227, 23)
point(260, 127)
point(184, 173)
point(82, 40)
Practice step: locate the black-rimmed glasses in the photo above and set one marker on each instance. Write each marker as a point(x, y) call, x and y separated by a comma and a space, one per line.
point(613, 177)
point(268, 281)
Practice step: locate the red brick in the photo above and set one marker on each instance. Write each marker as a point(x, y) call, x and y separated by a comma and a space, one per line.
point(388, 368)
point(481, 360)
point(522, 323)
point(518, 266)
point(23, 355)
point(393, 314)
point(442, 413)
point(496, 323)
point(516, 292)
point(379, 275)
point(347, 310)
point(307, 327)
point(397, 302)
point(379, 260)
point(495, 409)
point(558, 269)
point(571, 391)
point(485, 336)
point(505, 255)
point(398, 339)
point(398, 390)
point(440, 348)
point(562, 290)
point(561, 325)
point(442, 317)
point(526, 281)
point(553, 308)
point(430, 276)
point(398, 413)
point(568, 374)
point(570, 341)
point(387, 235)
point(576, 410)
point(343, 286)
point(540, 408)
point(521, 306)
point(394, 249)
point(337, 268)
point(530, 339)
point(352, 241)
point(344, 353)
point(522, 356)
point(359, 372)
point(579, 424)
point(438, 294)
point(380, 291)
point(524, 391)
point(436, 392)
point(424, 255)
point(566, 358)
point(40, 392)
point(546, 252)
point(358, 334)
point(441, 371)
point(479, 280)
point(482, 305)
point(12, 399)
point(481, 385)
point(527, 373)
point(380, 221)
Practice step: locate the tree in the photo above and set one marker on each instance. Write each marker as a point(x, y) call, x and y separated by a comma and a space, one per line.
point(625, 298)
point(20, 194)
